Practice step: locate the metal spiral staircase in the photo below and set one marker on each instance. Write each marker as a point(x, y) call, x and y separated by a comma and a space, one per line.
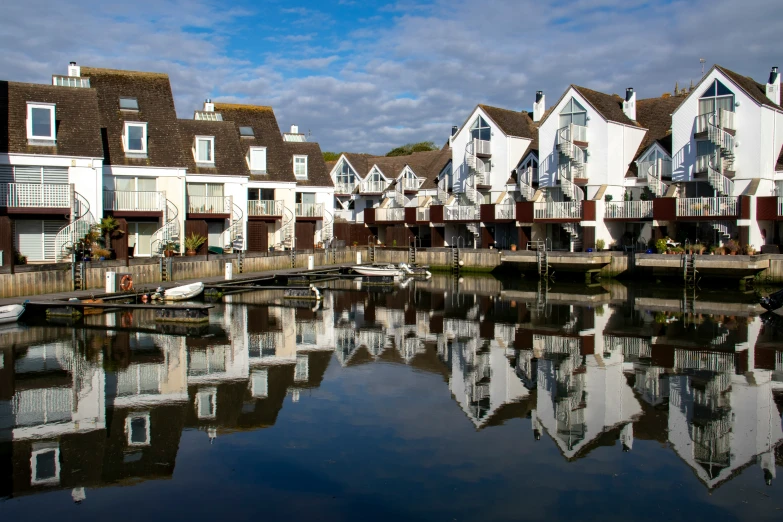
point(471, 191)
point(327, 229)
point(235, 239)
point(654, 182)
point(575, 166)
point(82, 221)
point(525, 182)
point(442, 196)
point(169, 232)
point(289, 228)
point(724, 142)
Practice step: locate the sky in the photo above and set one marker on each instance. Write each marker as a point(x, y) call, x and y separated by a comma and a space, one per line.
point(367, 76)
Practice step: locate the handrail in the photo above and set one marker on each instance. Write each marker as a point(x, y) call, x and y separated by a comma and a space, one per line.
point(81, 223)
point(265, 207)
point(309, 210)
point(43, 195)
point(209, 204)
point(716, 207)
point(167, 233)
point(629, 210)
point(134, 200)
point(557, 210)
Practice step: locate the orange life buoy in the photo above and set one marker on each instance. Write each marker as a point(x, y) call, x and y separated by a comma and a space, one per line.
point(126, 283)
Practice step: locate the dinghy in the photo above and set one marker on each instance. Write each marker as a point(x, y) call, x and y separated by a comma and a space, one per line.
point(10, 313)
point(378, 270)
point(181, 293)
point(773, 302)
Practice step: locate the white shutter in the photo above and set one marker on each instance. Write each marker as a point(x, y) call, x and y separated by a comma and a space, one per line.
point(55, 175)
point(50, 230)
point(27, 174)
point(29, 239)
point(6, 174)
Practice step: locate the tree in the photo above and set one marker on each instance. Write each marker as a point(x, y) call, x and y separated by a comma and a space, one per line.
point(410, 148)
point(331, 156)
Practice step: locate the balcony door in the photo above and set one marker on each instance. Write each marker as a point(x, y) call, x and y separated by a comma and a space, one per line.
point(140, 237)
point(715, 98)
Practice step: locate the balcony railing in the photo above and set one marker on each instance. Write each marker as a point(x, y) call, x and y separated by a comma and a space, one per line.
point(558, 210)
point(344, 213)
point(482, 147)
point(506, 211)
point(423, 213)
point(571, 133)
point(131, 200)
point(713, 207)
point(411, 184)
point(373, 187)
point(630, 210)
point(726, 120)
point(390, 214)
point(209, 204)
point(35, 195)
point(343, 188)
point(309, 210)
point(461, 213)
point(265, 207)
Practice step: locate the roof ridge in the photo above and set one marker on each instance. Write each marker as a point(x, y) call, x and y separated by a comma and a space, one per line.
point(123, 72)
point(242, 106)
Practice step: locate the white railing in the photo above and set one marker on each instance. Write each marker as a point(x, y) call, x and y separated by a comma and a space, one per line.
point(558, 210)
point(572, 133)
point(343, 213)
point(343, 188)
point(209, 204)
point(461, 213)
point(727, 119)
point(411, 184)
point(722, 184)
point(482, 147)
point(506, 211)
point(42, 195)
point(390, 214)
point(653, 171)
point(265, 207)
point(694, 207)
point(373, 187)
point(131, 200)
point(702, 122)
point(629, 210)
point(70, 81)
point(423, 213)
point(309, 210)
point(702, 163)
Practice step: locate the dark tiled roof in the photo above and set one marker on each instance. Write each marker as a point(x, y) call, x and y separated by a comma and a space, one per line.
point(229, 157)
point(610, 106)
point(317, 173)
point(266, 134)
point(435, 167)
point(77, 127)
point(156, 107)
point(655, 114)
point(426, 164)
point(754, 89)
point(513, 123)
point(359, 162)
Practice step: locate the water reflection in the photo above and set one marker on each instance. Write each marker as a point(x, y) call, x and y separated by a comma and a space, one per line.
point(105, 402)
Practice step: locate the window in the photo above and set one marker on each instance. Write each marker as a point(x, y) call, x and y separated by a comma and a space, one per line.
point(259, 383)
point(205, 149)
point(134, 184)
point(40, 121)
point(135, 137)
point(137, 429)
point(300, 167)
point(257, 159)
point(480, 130)
point(716, 97)
point(129, 104)
point(246, 132)
point(45, 464)
point(205, 403)
point(345, 174)
point(573, 112)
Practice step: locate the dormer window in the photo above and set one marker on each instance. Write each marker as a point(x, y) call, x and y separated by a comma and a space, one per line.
point(256, 159)
point(205, 149)
point(247, 132)
point(300, 167)
point(40, 122)
point(134, 138)
point(129, 104)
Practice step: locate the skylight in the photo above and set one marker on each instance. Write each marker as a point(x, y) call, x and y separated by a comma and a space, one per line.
point(208, 116)
point(246, 132)
point(129, 104)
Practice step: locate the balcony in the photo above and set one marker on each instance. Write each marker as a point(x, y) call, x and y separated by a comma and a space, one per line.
point(708, 207)
point(373, 187)
point(506, 211)
point(423, 214)
point(411, 185)
point(571, 134)
point(133, 201)
point(726, 121)
point(629, 210)
point(265, 207)
point(209, 205)
point(461, 213)
point(344, 188)
point(565, 210)
point(482, 148)
point(309, 210)
point(390, 214)
point(35, 195)
point(344, 214)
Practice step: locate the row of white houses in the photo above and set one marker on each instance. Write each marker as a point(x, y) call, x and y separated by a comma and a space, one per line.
point(103, 142)
point(703, 163)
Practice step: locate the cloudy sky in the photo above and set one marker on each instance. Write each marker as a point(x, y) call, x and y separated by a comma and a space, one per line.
point(367, 75)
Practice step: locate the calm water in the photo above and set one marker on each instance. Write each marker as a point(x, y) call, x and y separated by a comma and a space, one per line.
point(476, 400)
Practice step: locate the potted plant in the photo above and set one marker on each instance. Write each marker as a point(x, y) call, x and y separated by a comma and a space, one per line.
point(170, 249)
point(600, 244)
point(101, 253)
point(608, 198)
point(513, 247)
point(731, 247)
point(660, 246)
point(193, 242)
point(108, 226)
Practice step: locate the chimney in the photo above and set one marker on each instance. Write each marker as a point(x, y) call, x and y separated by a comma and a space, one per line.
point(209, 106)
point(773, 86)
point(539, 108)
point(454, 130)
point(74, 70)
point(294, 129)
point(629, 105)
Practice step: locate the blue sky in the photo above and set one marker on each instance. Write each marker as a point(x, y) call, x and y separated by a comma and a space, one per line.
point(369, 75)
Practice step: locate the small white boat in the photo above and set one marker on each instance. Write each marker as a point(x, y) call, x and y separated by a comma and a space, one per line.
point(378, 270)
point(181, 293)
point(10, 313)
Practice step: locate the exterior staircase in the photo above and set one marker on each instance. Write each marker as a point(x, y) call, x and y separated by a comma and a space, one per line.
point(525, 183)
point(654, 171)
point(288, 229)
point(169, 232)
point(724, 142)
point(81, 223)
point(723, 228)
point(327, 229)
point(234, 236)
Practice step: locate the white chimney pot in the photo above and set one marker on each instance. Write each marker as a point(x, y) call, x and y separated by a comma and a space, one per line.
point(294, 129)
point(209, 106)
point(629, 105)
point(539, 107)
point(773, 86)
point(74, 70)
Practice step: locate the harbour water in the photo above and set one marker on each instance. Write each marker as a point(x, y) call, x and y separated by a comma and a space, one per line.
point(475, 399)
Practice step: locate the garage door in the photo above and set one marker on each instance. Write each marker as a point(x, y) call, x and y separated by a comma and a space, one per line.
point(35, 239)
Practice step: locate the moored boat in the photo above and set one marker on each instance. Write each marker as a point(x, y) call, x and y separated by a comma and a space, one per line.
point(181, 293)
point(378, 270)
point(772, 302)
point(10, 313)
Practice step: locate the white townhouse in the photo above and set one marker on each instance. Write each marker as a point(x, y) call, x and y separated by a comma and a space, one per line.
point(51, 161)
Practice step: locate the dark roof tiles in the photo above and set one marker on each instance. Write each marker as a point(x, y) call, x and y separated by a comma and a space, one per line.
point(317, 173)
point(754, 89)
point(513, 123)
point(229, 156)
point(610, 106)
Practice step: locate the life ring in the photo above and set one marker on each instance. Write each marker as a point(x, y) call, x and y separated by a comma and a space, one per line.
point(144, 298)
point(126, 320)
point(126, 283)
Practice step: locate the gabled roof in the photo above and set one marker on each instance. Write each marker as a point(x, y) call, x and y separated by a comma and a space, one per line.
point(610, 106)
point(266, 133)
point(751, 87)
point(513, 123)
point(156, 108)
point(435, 167)
point(229, 158)
point(317, 173)
point(655, 114)
point(77, 126)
